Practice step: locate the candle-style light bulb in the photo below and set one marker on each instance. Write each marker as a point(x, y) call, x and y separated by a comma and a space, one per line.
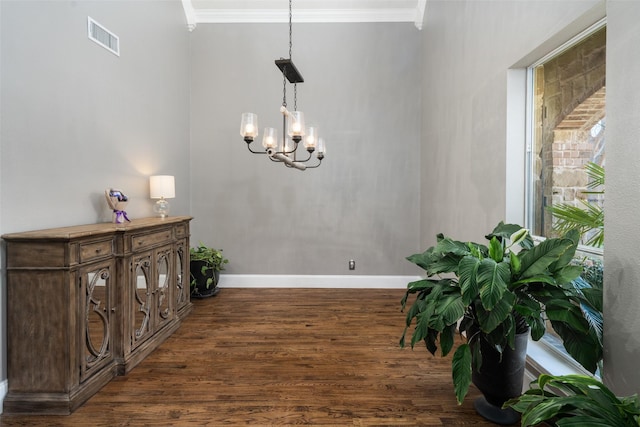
point(270, 138)
point(296, 124)
point(311, 139)
point(249, 126)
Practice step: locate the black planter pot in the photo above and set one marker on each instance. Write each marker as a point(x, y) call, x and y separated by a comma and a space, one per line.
point(500, 379)
point(200, 289)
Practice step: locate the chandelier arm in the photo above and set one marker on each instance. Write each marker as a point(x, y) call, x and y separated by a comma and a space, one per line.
point(293, 150)
point(255, 152)
point(316, 165)
point(305, 160)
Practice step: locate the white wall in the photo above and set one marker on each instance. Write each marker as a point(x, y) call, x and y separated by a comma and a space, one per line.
point(76, 119)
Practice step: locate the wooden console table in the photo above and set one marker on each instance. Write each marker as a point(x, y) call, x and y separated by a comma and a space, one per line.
point(87, 303)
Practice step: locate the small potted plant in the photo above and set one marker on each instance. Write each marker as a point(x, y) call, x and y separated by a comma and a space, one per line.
point(206, 264)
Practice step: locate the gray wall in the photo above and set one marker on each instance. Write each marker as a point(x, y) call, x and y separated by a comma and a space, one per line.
point(622, 269)
point(362, 88)
point(468, 46)
point(76, 119)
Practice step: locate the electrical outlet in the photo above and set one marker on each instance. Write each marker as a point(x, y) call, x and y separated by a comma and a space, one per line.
point(352, 265)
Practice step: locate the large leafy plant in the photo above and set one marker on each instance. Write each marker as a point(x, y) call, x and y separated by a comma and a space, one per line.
point(575, 401)
point(494, 291)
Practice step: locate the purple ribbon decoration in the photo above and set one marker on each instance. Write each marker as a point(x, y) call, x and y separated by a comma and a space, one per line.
point(121, 216)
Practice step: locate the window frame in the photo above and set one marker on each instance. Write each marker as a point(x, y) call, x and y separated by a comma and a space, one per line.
point(542, 355)
point(529, 187)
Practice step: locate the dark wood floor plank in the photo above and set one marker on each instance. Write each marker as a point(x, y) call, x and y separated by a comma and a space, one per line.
point(281, 357)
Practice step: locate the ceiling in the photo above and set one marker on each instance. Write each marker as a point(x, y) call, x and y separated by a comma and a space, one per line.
point(267, 11)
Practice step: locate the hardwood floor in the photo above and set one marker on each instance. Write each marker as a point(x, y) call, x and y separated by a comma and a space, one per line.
point(278, 357)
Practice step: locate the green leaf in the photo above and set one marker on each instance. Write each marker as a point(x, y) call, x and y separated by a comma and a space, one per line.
point(421, 329)
point(422, 260)
point(430, 341)
point(467, 273)
point(496, 250)
point(585, 218)
point(450, 308)
point(595, 173)
point(531, 310)
point(443, 264)
point(448, 246)
point(490, 319)
point(492, 281)
point(584, 348)
point(567, 257)
point(574, 400)
point(515, 263)
point(461, 371)
point(447, 338)
point(536, 261)
point(567, 274)
point(564, 311)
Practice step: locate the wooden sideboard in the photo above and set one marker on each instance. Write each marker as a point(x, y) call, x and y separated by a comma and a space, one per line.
point(87, 303)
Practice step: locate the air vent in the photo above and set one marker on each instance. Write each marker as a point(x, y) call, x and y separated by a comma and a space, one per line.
point(103, 37)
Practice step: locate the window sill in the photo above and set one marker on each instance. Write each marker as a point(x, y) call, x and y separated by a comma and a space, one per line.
point(543, 358)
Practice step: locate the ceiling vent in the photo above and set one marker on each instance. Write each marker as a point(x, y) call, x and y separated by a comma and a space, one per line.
point(103, 37)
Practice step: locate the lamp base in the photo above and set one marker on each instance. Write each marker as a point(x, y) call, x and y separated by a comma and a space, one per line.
point(161, 208)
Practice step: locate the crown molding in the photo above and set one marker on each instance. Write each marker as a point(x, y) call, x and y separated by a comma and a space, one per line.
point(420, 9)
point(227, 16)
point(254, 16)
point(190, 14)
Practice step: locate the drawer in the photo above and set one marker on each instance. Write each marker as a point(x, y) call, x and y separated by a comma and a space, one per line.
point(181, 231)
point(93, 250)
point(142, 241)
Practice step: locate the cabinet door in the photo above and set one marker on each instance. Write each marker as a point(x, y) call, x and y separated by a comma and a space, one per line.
point(183, 288)
point(164, 287)
point(95, 318)
point(141, 300)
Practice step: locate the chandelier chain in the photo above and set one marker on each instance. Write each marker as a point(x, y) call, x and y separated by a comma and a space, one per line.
point(290, 30)
point(284, 91)
point(295, 85)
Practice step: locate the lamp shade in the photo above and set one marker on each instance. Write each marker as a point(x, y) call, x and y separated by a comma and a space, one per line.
point(311, 140)
point(270, 138)
point(162, 186)
point(249, 125)
point(296, 123)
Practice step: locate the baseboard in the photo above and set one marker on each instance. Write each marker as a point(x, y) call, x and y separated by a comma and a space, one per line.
point(310, 281)
point(4, 387)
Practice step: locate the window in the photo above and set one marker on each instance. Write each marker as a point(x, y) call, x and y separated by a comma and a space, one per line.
point(567, 122)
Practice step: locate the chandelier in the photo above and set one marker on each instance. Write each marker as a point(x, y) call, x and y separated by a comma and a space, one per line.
point(285, 150)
